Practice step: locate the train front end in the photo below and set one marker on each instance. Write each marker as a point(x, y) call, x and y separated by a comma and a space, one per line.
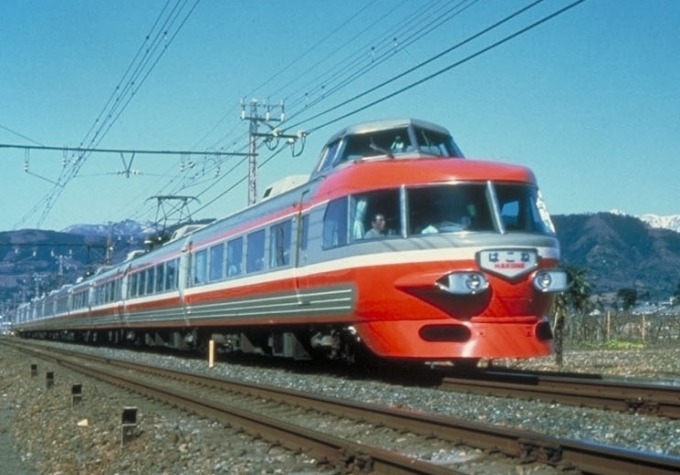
point(451, 258)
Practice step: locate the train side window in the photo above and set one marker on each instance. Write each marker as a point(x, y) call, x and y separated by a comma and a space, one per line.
point(132, 283)
point(118, 290)
point(335, 224)
point(171, 275)
point(150, 281)
point(279, 245)
point(142, 283)
point(139, 288)
point(200, 267)
point(217, 262)
point(255, 251)
point(234, 256)
point(160, 278)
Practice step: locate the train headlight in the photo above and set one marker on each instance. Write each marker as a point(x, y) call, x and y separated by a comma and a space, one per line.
point(551, 281)
point(463, 283)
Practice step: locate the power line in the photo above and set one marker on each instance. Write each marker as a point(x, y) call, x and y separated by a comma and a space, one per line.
point(415, 25)
point(410, 27)
point(423, 63)
point(19, 135)
point(451, 13)
point(451, 66)
point(384, 49)
point(131, 87)
point(120, 150)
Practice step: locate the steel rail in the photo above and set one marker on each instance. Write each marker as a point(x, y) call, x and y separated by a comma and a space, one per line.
point(328, 449)
point(640, 398)
point(524, 445)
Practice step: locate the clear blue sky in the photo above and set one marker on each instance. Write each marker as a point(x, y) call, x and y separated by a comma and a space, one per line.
point(589, 100)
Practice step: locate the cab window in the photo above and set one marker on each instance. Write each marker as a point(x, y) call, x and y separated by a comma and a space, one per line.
point(375, 214)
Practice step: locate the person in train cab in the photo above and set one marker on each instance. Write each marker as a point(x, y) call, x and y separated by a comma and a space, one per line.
point(398, 146)
point(378, 227)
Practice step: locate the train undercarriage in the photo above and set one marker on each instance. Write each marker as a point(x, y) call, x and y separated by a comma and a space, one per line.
point(333, 343)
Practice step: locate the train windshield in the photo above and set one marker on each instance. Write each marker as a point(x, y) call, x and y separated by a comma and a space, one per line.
point(470, 207)
point(522, 209)
point(436, 209)
point(449, 208)
point(393, 139)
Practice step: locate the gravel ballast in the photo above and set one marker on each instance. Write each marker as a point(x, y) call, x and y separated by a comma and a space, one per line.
point(50, 435)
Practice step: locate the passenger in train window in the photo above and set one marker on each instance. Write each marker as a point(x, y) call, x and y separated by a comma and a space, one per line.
point(378, 228)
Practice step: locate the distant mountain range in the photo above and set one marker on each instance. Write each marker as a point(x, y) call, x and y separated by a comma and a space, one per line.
point(671, 222)
point(617, 250)
point(621, 251)
point(127, 227)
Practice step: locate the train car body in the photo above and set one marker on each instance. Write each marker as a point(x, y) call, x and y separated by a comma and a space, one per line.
point(395, 244)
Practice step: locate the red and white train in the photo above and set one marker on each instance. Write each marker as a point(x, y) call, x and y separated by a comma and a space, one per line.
point(395, 244)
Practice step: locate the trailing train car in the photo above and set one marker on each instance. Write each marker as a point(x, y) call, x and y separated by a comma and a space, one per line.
point(395, 244)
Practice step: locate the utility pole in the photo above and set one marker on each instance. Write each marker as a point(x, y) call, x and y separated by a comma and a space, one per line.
point(259, 112)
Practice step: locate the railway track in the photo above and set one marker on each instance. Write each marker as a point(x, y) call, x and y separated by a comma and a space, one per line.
point(587, 390)
point(255, 414)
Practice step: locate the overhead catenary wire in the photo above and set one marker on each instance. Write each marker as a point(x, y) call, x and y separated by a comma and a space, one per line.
point(418, 21)
point(451, 66)
point(416, 28)
point(28, 139)
point(423, 63)
point(182, 181)
point(69, 172)
point(121, 150)
point(143, 48)
point(437, 73)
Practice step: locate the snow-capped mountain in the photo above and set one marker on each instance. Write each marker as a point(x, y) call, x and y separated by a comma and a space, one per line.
point(671, 222)
point(127, 227)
